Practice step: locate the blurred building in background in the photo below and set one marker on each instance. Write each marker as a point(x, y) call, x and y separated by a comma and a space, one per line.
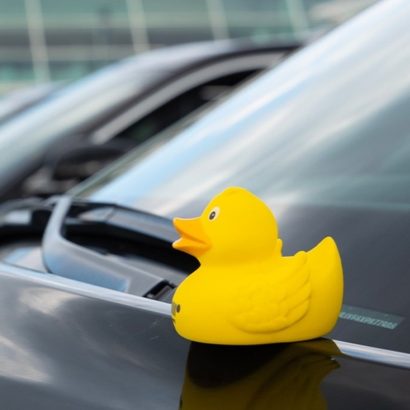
point(54, 40)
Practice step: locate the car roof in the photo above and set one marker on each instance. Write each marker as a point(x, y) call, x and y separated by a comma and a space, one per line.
point(16, 101)
point(185, 56)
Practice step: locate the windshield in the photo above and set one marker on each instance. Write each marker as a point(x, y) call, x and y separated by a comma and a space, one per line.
point(324, 139)
point(327, 126)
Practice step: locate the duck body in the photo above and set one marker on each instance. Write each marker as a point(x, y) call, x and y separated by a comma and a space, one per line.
point(260, 297)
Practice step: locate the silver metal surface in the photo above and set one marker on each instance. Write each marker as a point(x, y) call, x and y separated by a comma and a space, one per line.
point(374, 354)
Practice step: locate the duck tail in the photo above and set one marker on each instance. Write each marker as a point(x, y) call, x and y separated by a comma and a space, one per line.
point(326, 270)
point(325, 257)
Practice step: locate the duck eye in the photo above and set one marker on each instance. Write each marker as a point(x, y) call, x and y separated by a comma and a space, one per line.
point(213, 214)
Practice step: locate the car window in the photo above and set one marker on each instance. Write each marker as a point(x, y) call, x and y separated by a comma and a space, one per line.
point(69, 111)
point(183, 104)
point(77, 165)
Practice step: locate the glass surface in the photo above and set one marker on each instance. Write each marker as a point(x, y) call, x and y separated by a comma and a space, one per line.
point(60, 70)
point(16, 71)
point(84, 35)
point(80, 39)
point(324, 139)
point(13, 12)
point(175, 6)
point(258, 19)
point(15, 57)
point(168, 35)
point(75, 107)
point(92, 12)
point(169, 22)
point(97, 32)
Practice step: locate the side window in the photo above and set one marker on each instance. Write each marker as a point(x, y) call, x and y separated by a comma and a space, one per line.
point(81, 163)
point(180, 106)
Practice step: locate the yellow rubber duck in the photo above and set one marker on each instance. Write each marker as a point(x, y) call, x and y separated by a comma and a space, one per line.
point(245, 292)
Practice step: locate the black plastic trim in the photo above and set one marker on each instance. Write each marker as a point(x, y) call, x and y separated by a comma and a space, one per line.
point(65, 258)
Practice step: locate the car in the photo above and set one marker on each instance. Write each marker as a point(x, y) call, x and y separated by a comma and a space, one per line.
point(86, 278)
point(15, 102)
point(88, 123)
point(323, 146)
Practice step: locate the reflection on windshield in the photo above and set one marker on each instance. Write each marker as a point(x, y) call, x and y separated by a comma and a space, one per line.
point(285, 377)
point(327, 127)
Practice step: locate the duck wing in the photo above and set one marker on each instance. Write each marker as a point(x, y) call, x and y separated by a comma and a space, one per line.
point(267, 303)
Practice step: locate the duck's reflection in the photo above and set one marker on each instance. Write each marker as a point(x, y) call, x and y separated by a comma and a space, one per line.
point(285, 377)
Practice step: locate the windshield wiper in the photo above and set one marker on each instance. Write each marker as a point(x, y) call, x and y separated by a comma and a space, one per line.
point(60, 216)
point(65, 258)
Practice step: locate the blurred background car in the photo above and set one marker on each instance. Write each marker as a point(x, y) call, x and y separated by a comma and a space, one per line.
point(15, 102)
point(67, 136)
point(83, 126)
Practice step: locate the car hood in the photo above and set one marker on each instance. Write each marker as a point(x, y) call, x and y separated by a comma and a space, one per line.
point(68, 345)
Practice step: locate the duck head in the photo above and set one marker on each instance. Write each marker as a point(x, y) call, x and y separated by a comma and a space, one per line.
point(234, 226)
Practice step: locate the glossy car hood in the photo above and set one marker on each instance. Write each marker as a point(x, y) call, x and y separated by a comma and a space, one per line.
point(67, 345)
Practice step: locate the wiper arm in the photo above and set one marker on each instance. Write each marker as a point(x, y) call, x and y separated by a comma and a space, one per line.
point(138, 236)
point(65, 258)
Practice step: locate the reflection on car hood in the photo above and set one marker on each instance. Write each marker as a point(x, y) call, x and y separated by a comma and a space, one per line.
point(63, 347)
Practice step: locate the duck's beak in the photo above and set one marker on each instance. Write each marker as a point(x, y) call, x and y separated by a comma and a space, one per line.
point(193, 238)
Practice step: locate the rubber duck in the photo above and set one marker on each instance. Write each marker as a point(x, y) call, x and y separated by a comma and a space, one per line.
point(245, 292)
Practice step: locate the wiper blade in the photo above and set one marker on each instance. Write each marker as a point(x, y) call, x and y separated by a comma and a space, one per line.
point(66, 258)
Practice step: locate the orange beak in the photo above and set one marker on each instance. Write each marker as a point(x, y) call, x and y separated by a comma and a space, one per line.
point(193, 238)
